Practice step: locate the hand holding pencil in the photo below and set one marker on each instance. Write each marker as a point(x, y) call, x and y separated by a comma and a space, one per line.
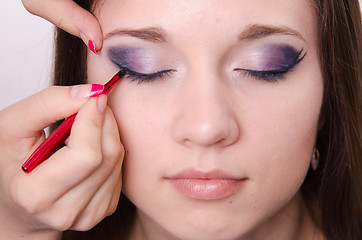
point(85, 169)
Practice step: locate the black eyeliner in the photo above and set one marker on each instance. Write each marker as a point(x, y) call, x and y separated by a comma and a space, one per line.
point(145, 77)
point(273, 75)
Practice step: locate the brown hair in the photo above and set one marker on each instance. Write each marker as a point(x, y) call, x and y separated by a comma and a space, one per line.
point(337, 186)
point(333, 193)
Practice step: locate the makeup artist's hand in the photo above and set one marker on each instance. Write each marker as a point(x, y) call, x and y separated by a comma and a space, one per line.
point(69, 16)
point(77, 186)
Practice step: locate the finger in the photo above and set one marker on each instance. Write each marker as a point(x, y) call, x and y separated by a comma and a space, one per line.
point(116, 195)
point(109, 163)
point(102, 203)
point(70, 17)
point(102, 185)
point(69, 165)
point(83, 154)
point(78, 210)
point(42, 109)
point(112, 148)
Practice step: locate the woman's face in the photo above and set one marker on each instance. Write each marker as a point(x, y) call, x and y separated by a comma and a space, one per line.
point(218, 112)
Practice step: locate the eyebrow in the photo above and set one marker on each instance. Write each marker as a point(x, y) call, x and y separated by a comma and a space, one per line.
point(258, 31)
point(151, 34)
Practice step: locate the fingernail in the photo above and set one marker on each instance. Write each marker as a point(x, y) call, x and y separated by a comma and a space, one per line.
point(97, 89)
point(101, 103)
point(92, 46)
point(79, 92)
point(90, 43)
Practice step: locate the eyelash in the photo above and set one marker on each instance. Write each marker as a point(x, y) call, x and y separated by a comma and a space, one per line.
point(143, 77)
point(269, 75)
point(273, 75)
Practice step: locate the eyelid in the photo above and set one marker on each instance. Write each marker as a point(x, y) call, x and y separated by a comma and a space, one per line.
point(274, 74)
point(298, 58)
point(146, 77)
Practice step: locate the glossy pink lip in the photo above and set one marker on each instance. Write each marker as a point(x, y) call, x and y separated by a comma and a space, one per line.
point(205, 185)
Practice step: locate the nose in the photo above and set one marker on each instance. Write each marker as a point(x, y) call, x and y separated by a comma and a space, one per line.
point(205, 116)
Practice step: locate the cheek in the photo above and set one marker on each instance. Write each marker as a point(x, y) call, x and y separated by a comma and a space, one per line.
point(142, 136)
point(140, 126)
point(282, 136)
point(284, 131)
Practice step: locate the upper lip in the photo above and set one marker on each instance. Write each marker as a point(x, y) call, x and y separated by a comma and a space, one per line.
point(192, 173)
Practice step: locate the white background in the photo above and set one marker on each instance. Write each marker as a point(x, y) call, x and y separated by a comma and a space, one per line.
point(26, 52)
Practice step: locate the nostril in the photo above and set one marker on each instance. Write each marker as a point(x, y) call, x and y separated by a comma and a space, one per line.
point(205, 119)
point(214, 134)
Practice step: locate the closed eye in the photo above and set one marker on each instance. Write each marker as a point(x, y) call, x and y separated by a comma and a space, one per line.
point(146, 77)
point(273, 75)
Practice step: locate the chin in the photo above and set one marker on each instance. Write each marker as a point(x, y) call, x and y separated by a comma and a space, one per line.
point(210, 234)
point(204, 229)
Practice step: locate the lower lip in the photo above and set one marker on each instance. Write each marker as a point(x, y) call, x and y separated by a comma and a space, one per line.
point(206, 189)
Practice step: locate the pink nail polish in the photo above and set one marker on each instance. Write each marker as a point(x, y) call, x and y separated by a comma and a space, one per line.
point(97, 89)
point(92, 46)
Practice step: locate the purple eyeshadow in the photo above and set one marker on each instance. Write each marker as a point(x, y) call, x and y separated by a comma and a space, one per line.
point(138, 64)
point(126, 57)
point(277, 57)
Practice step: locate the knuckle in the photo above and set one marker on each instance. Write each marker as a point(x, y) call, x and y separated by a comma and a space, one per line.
point(37, 206)
point(63, 221)
point(63, 23)
point(61, 226)
point(84, 225)
point(81, 227)
point(66, 217)
point(87, 221)
point(35, 7)
point(111, 210)
point(91, 159)
point(33, 203)
point(112, 207)
point(115, 152)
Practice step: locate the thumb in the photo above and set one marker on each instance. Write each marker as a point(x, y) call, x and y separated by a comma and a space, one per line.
point(26, 118)
point(70, 17)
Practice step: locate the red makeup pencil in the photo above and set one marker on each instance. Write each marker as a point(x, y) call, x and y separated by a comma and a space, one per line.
point(59, 136)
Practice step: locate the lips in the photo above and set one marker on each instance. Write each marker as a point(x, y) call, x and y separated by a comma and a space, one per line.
point(212, 185)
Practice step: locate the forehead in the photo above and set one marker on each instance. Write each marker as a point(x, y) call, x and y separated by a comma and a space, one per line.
point(207, 18)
